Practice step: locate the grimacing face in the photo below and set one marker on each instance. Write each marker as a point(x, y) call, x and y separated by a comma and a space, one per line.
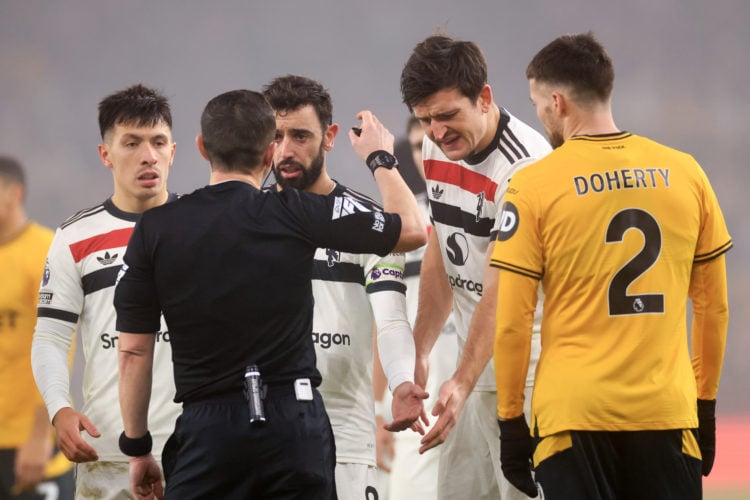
point(454, 122)
point(300, 154)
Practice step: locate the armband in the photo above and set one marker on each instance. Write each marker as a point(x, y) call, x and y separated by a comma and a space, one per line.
point(136, 447)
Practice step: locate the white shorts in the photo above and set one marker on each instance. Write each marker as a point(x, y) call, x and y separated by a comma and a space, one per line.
point(356, 482)
point(470, 457)
point(413, 476)
point(103, 481)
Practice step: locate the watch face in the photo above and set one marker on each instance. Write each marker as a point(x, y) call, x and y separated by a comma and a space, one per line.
point(385, 160)
point(381, 159)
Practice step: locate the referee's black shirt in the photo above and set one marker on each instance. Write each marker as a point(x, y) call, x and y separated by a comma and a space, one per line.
point(230, 267)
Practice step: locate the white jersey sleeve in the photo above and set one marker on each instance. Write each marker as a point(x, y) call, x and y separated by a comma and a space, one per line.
point(77, 291)
point(53, 335)
point(387, 293)
point(348, 290)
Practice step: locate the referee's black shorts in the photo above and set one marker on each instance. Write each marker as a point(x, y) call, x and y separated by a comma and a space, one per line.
point(637, 465)
point(216, 453)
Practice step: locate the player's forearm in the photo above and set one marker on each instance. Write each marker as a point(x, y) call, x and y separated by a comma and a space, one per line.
point(379, 380)
point(41, 429)
point(435, 299)
point(49, 362)
point(479, 341)
point(708, 293)
point(398, 198)
point(135, 355)
point(395, 342)
point(397, 355)
point(516, 302)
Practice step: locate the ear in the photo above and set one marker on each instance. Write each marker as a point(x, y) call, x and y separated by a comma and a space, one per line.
point(329, 135)
point(171, 155)
point(201, 148)
point(560, 103)
point(485, 98)
point(268, 156)
point(104, 155)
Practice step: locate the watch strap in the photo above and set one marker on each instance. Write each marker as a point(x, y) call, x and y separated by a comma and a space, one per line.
point(381, 158)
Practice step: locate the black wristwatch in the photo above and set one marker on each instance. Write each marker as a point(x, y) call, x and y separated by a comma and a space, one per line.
point(381, 158)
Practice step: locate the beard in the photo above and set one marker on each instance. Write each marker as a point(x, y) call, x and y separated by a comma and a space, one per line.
point(555, 139)
point(307, 176)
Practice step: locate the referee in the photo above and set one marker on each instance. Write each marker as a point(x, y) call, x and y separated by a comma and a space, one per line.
point(230, 267)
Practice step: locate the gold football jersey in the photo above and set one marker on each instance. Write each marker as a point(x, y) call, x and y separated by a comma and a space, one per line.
point(612, 226)
point(21, 269)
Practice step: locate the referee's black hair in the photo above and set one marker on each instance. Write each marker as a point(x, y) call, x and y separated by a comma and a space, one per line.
point(440, 62)
point(237, 128)
point(136, 105)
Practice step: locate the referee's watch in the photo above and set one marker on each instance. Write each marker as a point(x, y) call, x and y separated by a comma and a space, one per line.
point(381, 158)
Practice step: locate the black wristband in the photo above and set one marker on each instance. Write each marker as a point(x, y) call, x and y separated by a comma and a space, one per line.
point(380, 158)
point(136, 447)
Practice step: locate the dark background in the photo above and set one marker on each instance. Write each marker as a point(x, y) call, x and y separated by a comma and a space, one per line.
point(682, 79)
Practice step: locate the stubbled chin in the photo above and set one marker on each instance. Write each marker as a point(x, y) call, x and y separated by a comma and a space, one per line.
point(454, 154)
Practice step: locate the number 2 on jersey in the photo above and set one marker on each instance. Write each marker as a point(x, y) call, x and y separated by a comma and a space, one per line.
point(620, 303)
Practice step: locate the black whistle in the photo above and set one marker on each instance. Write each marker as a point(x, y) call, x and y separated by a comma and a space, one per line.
point(357, 131)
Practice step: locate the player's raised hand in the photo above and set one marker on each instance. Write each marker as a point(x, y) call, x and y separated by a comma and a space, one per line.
point(372, 136)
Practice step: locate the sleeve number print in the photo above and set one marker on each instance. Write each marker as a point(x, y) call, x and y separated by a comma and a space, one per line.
point(620, 303)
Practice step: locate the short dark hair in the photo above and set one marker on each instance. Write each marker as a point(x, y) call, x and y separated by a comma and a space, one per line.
point(578, 61)
point(440, 62)
point(237, 128)
point(136, 105)
point(12, 171)
point(291, 92)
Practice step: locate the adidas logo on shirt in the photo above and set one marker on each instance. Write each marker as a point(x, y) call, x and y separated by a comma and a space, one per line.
point(343, 206)
point(107, 259)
